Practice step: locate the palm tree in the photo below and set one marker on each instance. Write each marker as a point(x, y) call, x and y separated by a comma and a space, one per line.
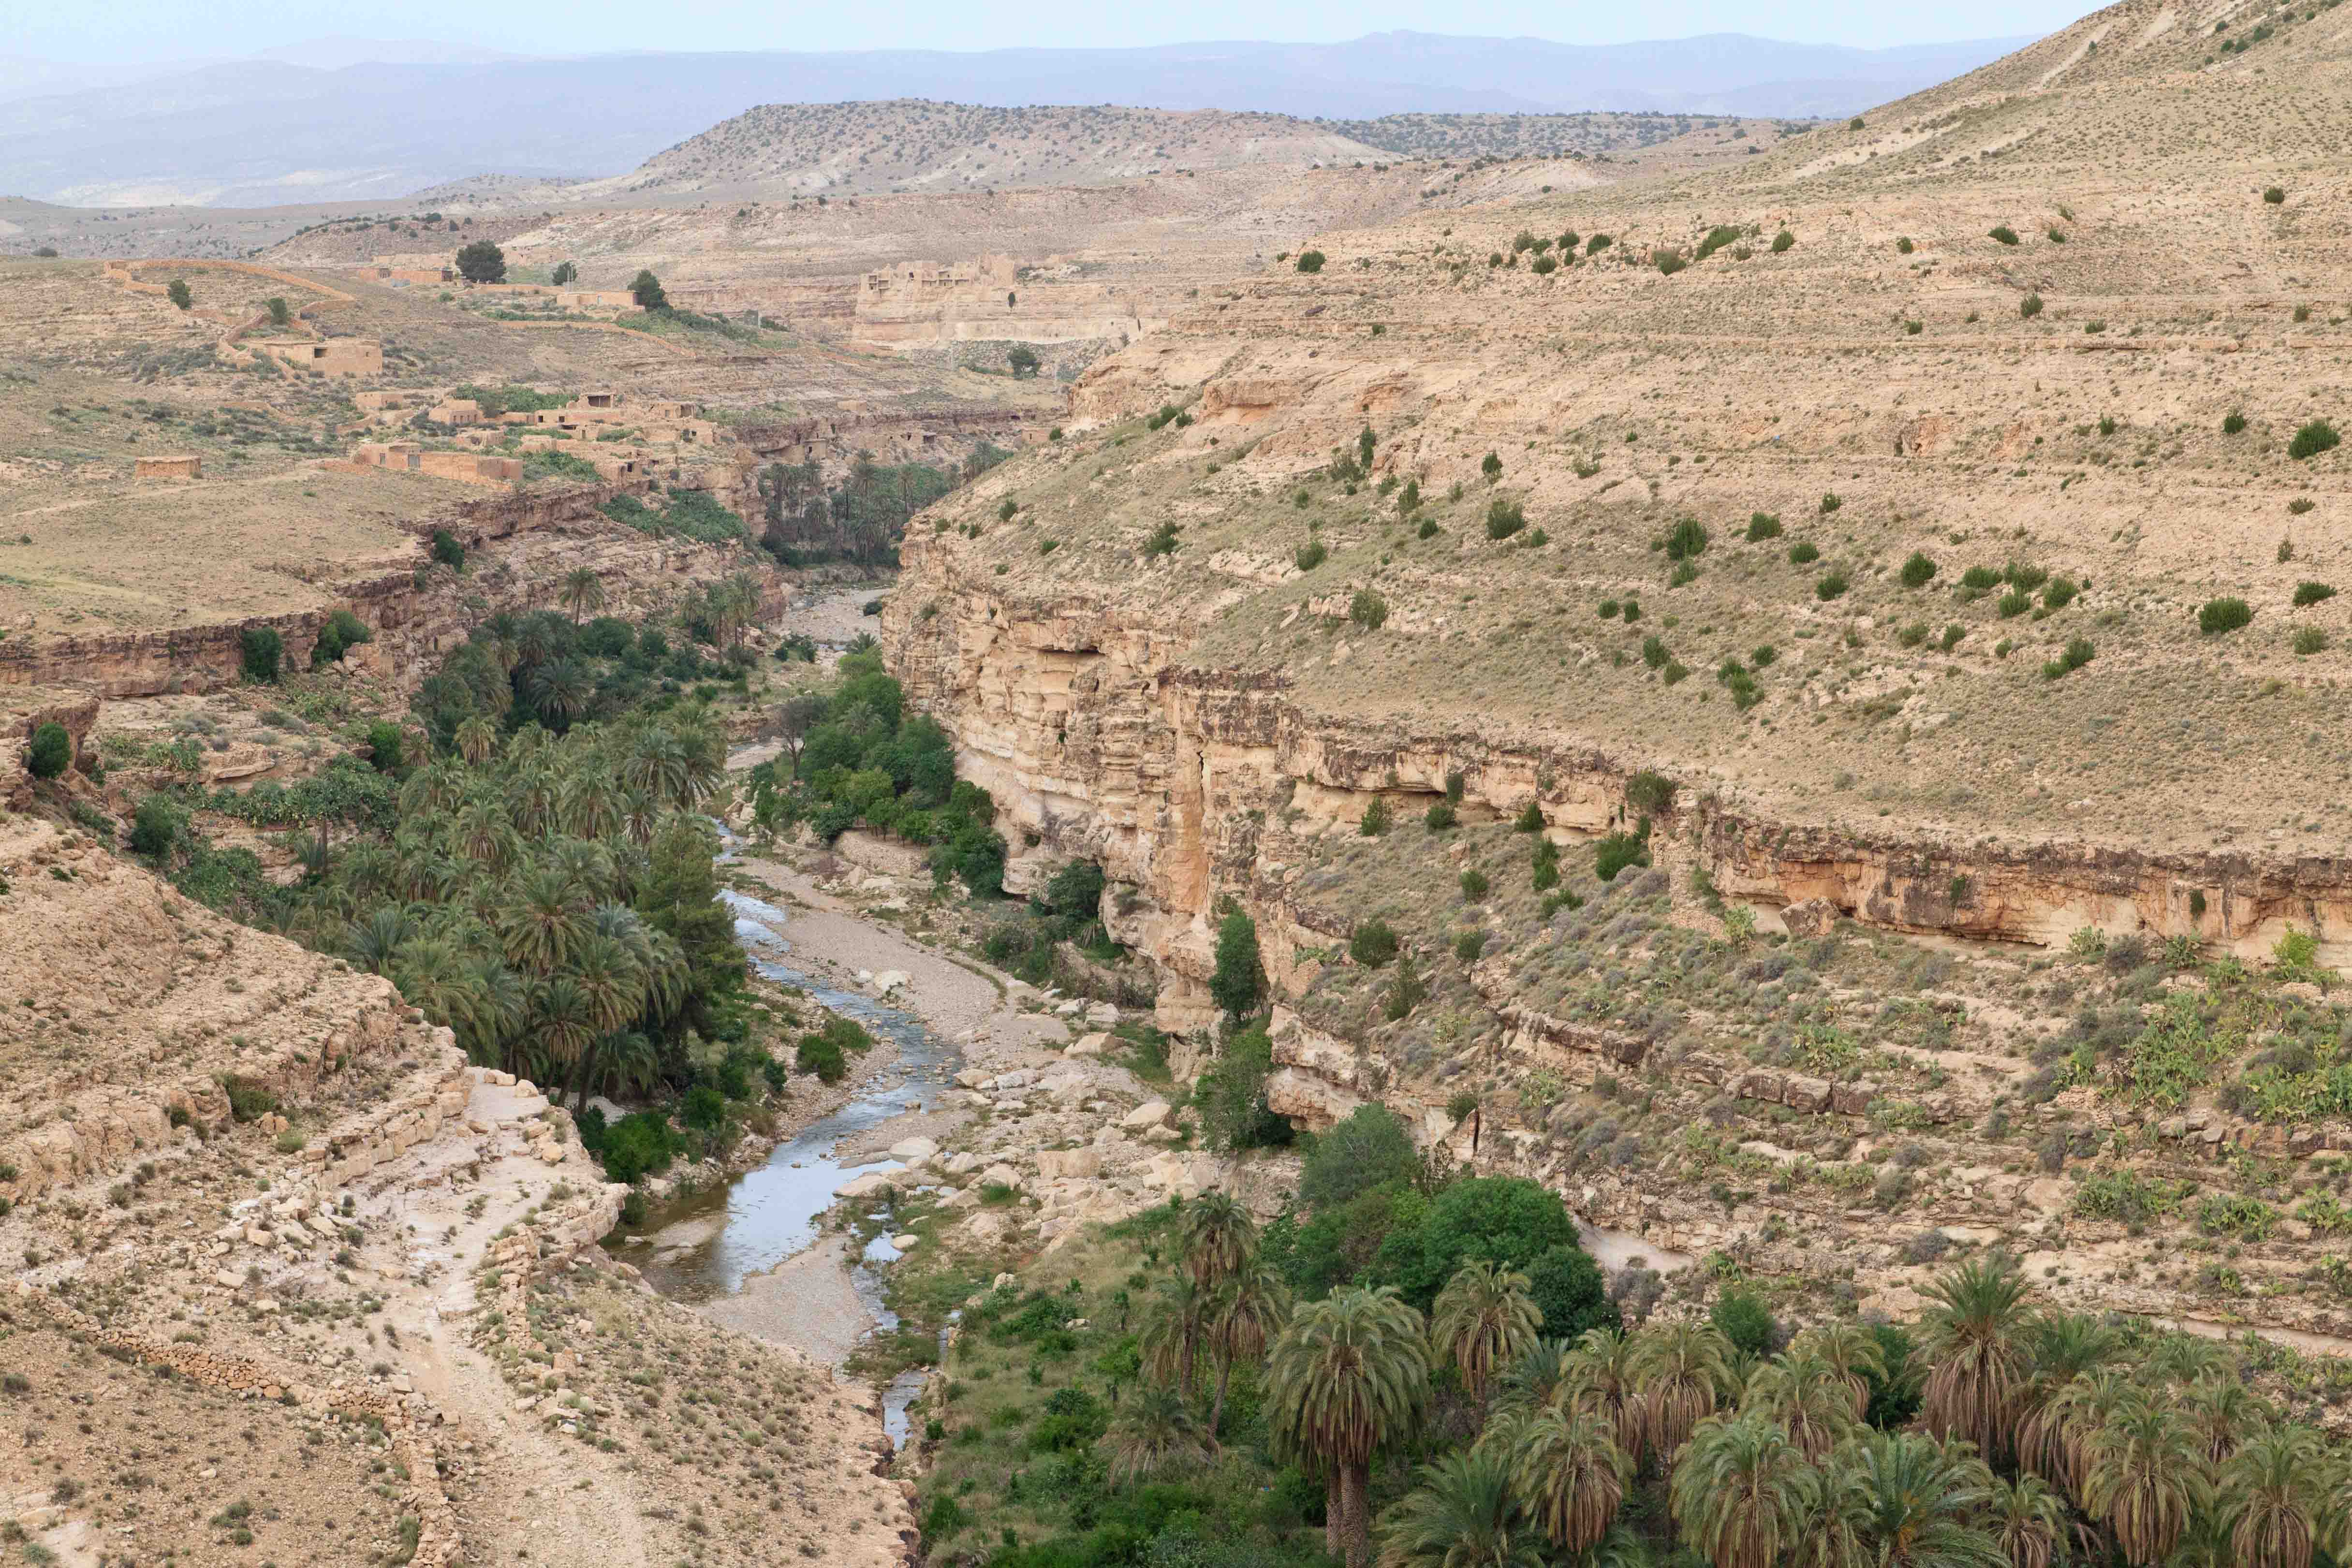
point(541, 921)
point(477, 740)
point(376, 940)
point(1461, 1513)
point(1685, 1370)
point(1484, 1318)
point(2224, 1415)
point(583, 590)
point(1973, 1346)
point(562, 1018)
point(1809, 1398)
point(1174, 1328)
point(1248, 1312)
point(1539, 1378)
point(1218, 1238)
point(1155, 1430)
point(1738, 1494)
point(562, 690)
point(1920, 1501)
point(1604, 1377)
point(2184, 1358)
point(531, 801)
point(1571, 1473)
point(1851, 1350)
point(2066, 1348)
point(611, 987)
point(2055, 1442)
point(589, 804)
point(2278, 1500)
point(1349, 1373)
point(1832, 1514)
point(2146, 1477)
point(2025, 1517)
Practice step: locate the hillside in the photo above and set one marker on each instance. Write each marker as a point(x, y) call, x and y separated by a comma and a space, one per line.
point(1930, 528)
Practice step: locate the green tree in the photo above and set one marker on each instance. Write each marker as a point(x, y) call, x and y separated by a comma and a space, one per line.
point(280, 313)
point(1568, 1468)
point(1683, 1371)
point(176, 291)
point(1238, 983)
point(1484, 1318)
point(1508, 1220)
point(1349, 1375)
point(1250, 1310)
point(482, 262)
point(2026, 1519)
point(2146, 1480)
point(1461, 1513)
point(261, 650)
point(1920, 1501)
point(1175, 1325)
point(1369, 1147)
point(2278, 1500)
point(1972, 1346)
point(584, 591)
point(1022, 359)
point(1155, 1431)
point(1604, 1377)
point(565, 272)
point(51, 751)
point(1737, 1495)
point(1809, 1398)
point(646, 291)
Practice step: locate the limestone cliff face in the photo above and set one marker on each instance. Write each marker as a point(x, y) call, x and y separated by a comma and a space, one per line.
point(1100, 737)
point(520, 548)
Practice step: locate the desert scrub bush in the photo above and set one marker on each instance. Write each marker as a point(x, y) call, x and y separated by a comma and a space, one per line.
point(1688, 538)
point(1903, 245)
point(1803, 553)
point(1368, 610)
point(2313, 438)
point(1309, 261)
point(2015, 603)
point(1685, 573)
point(1667, 260)
point(2233, 423)
point(1372, 944)
point(1783, 241)
point(1718, 237)
point(2078, 654)
point(1911, 636)
point(1473, 883)
point(1978, 581)
point(1546, 865)
point(1654, 652)
point(1470, 946)
point(2060, 594)
point(1953, 635)
point(1830, 587)
point(51, 752)
point(1616, 852)
point(1609, 608)
point(1918, 570)
point(2231, 1214)
point(1652, 794)
point(2309, 640)
point(2311, 593)
point(2030, 306)
point(260, 650)
point(2126, 1197)
point(2004, 233)
point(1376, 819)
point(1544, 266)
point(1762, 525)
point(1440, 817)
point(1161, 542)
point(2273, 194)
point(1831, 502)
point(2299, 506)
point(2217, 615)
point(1503, 519)
point(1676, 673)
point(1311, 555)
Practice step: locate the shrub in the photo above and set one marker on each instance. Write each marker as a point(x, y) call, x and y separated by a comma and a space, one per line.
point(1742, 1318)
point(1762, 525)
point(262, 650)
point(1503, 519)
point(1598, 244)
point(2078, 655)
point(821, 1056)
point(1609, 610)
point(1371, 1148)
point(1803, 553)
point(1688, 540)
point(1161, 542)
point(1439, 818)
point(2222, 615)
point(1470, 946)
point(51, 752)
point(2060, 594)
point(482, 262)
point(1473, 883)
point(448, 550)
point(1918, 570)
point(1830, 587)
point(1652, 794)
point(1783, 241)
point(385, 748)
point(155, 826)
point(2273, 194)
point(1953, 634)
point(1376, 818)
point(1238, 981)
point(1653, 652)
point(1831, 502)
point(1231, 1097)
point(2311, 593)
point(1372, 944)
point(1311, 555)
point(1617, 851)
point(2016, 601)
point(1675, 673)
point(2313, 439)
point(1310, 261)
point(343, 630)
point(1903, 245)
point(1668, 261)
point(1720, 236)
point(1368, 610)
point(2232, 422)
point(1633, 610)
point(2004, 233)
point(2030, 306)
point(2310, 640)
point(177, 292)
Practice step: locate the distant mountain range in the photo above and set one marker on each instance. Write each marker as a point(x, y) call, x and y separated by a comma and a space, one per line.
point(348, 120)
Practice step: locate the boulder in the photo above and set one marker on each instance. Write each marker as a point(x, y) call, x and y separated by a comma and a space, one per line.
point(1151, 1114)
point(914, 1151)
point(889, 980)
point(1089, 1045)
point(999, 1174)
point(867, 1185)
point(1102, 1015)
point(1068, 1164)
point(1811, 917)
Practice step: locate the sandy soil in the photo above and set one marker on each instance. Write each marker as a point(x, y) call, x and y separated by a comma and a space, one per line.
point(806, 1302)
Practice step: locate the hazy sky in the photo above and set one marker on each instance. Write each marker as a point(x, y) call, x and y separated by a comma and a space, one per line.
point(139, 30)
